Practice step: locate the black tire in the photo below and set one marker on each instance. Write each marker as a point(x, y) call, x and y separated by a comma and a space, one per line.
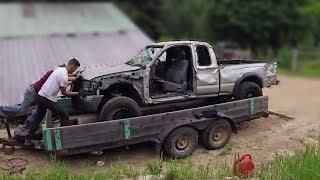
point(181, 142)
point(248, 90)
point(76, 101)
point(217, 134)
point(119, 107)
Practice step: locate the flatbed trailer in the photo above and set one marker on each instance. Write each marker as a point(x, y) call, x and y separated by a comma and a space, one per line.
point(175, 133)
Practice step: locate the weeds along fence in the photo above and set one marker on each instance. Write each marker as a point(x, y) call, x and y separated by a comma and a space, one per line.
point(307, 59)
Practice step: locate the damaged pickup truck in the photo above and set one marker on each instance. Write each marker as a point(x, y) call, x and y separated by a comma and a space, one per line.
point(168, 73)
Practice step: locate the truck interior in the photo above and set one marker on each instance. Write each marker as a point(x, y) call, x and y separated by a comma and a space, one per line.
point(172, 73)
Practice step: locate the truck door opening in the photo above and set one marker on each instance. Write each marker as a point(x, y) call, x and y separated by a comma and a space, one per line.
point(172, 72)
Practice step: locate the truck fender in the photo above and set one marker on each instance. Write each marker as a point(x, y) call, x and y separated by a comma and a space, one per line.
point(131, 90)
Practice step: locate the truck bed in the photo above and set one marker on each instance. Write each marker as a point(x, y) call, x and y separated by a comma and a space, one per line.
point(238, 61)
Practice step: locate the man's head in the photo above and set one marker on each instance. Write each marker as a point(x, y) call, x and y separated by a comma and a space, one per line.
point(72, 65)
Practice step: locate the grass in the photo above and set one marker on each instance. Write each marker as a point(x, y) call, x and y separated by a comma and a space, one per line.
point(186, 170)
point(226, 151)
point(176, 169)
point(301, 165)
point(305, 70)
point(60, 171)
point(155, 168)
point(310, 69)
point(309, 65)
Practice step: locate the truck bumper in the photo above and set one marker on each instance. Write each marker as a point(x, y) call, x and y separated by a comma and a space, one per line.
point(271, 81)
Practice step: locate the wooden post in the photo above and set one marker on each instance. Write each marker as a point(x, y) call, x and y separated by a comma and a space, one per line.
point(294, 61)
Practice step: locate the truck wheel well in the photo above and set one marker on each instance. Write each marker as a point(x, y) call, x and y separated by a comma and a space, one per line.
point(254, 79)
point(247, 78)
point(120, 89)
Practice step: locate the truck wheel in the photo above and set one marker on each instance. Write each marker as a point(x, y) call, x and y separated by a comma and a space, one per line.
point(119, 107)
point(248, 90)
point(181, 142)
point(217, 134)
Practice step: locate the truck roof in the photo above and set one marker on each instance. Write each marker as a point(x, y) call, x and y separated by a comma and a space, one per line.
point(177, 42)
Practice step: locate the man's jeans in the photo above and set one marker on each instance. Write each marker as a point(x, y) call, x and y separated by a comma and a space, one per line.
point(31, 117)
point(44, 104)
point(22, 108)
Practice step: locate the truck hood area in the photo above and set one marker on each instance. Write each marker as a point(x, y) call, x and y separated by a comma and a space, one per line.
point(100, 70)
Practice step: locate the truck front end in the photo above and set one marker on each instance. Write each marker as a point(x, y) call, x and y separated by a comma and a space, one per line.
point(271, 75)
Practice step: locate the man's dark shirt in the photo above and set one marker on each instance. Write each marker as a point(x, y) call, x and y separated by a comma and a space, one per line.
point(37, 85)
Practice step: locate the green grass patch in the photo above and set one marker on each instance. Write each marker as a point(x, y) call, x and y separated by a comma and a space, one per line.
point(302, 165)
point(307, 70)
point(226, 151)
point(179, 169)
point(156, 167)
point(61, 171)
point(310, 69)
point(175, 169)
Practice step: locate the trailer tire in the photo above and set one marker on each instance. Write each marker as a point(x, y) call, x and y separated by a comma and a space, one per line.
point(181, 142)
point(248, 90)
point(217, 134)
point(119, 107)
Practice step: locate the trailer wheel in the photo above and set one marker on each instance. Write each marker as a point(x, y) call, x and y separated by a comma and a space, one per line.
point(217, 134)
point(181, 142)
point(248, 90)
point(119, 107)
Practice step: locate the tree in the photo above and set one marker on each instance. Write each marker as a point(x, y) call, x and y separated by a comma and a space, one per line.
point(311, 14)
point(257, 24)
point(183, 18)
point(146, 14)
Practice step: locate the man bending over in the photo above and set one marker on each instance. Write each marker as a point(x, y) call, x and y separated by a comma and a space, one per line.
point(48, 95)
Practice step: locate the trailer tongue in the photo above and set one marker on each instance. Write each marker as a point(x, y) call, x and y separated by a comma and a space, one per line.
point(176, 133)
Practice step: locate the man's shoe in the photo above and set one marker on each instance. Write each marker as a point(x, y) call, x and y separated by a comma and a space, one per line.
point(71, 122)
point(2, 113)
point(74, 121)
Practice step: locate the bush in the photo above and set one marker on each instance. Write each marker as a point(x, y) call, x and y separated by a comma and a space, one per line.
point(284, 57)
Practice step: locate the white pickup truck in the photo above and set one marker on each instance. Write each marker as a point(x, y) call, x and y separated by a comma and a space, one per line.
point(170, 72)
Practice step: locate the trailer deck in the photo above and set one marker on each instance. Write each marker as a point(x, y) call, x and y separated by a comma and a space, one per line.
point(176, 133)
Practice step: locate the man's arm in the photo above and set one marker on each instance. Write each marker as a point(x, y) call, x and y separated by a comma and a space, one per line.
point(67, 93)
point(75, 73)
point(72, 78)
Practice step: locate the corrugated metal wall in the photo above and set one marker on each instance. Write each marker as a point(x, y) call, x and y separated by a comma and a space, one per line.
point(24, 60)
point(45, 19)
point(27, 53)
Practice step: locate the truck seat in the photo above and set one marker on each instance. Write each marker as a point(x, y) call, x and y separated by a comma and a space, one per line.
point(176, 77)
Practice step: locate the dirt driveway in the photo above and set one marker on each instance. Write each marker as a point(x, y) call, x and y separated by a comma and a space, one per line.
point(263, 138)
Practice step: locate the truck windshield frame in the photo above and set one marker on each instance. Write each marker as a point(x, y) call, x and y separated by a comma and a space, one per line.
point(145, 56)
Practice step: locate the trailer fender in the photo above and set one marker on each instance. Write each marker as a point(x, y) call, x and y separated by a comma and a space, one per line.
point(232, 123)
point(212, 113)
point(207, 113)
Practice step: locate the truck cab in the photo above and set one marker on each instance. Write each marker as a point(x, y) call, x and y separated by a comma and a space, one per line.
point(180, 70)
